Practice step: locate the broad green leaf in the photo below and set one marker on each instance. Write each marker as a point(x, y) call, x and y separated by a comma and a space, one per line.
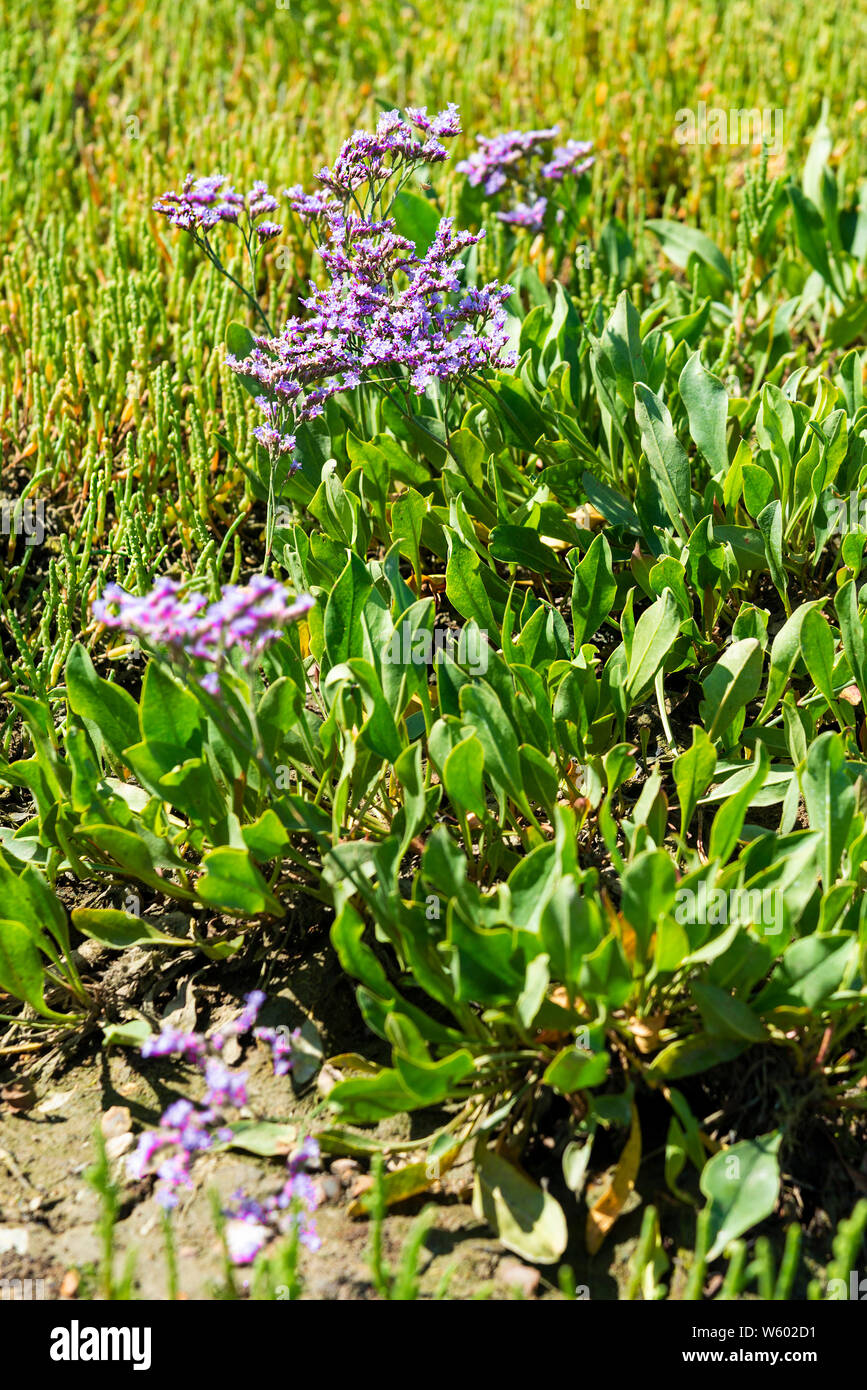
point(785, 650)
point(346, 602)
point(521, 545)
point(830, 798)
point(464, 586)
point(621, 345)
point(111, 927)
point(648, 892)
point(770, 524)
point(726, 1016)
point(852, 633)
point(232, 881)
point(266, 1138)
point(169, 714)
point(526, 1219)
point(655, 634)
point(408, 512)
point(369, 1099)
point(484, 716)
point(130, 1034)
point(810, 234)
point(594, 589)
point(666, 457)
point(432, 1082)
point(729, 819)
point(706, 401)
point(463, 777)
point(110, 708)
point(817, 649)
point(758, 488)
point(675, 1159)
point(693, 772)
point(691, 1056)
point(416, 217)
point(240, 342)
point(742, 1184)
point(679, 242)
point(21, 973)
point(576, 1159)
point(809, 973)
point(732, 683)
point(573, 1069)
point(571, 928)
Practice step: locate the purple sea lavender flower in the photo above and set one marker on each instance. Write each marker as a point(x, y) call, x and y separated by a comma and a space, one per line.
point(363, 326)
point(205, 202)
point(310, 207)
point(245, 1238)
point(247, 617)
point(281, 1045)
point(171, 1042)
point(571, 158)
point(306, 1154)
point(266, 231)
point(260, 200)
point(505, 158)
point(187, 1128)
point(246, 1019)
point(163, 617)
point(372, 157)
point(225, 1087)
point(173, 1172)
point(294, 1205)
point(139, 1162)
point(444, 125)
point(532, 217)
point(518, 160)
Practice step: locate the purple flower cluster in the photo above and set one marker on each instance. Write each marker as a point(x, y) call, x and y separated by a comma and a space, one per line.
point(572, 158)
point(389, 316)
point(187, 1129)
point(281, 1047)
point(365, 326)
point(370, 158)
point(205, 202)
point(518, 159)
point(527, 215)
point(252, 1222)
point(502, 159)
point(311, 207)
point(187, 628)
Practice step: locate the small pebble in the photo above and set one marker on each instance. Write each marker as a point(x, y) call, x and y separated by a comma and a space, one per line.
point(14, 1239)
point(115, 1122)
point(519, 1276)
point(345, 1169)
point(19, 1095)
point(118, 1144)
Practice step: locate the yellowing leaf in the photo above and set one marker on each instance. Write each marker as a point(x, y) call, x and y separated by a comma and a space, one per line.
point(405, 1182)
point(611, 1201)
point(628, 939)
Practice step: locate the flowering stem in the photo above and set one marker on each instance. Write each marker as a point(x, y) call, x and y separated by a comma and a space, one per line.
point(215, 260)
